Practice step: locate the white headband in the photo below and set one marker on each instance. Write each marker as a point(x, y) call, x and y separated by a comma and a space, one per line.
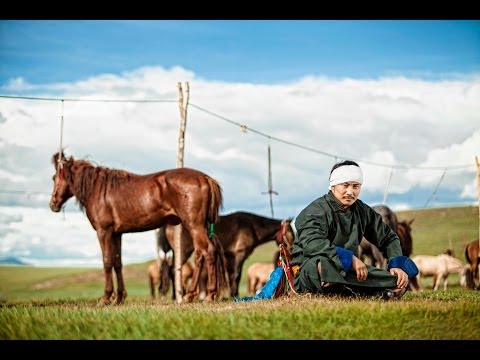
point(346, 173)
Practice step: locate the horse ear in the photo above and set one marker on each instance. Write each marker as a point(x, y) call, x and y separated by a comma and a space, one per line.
point(56, 156)
point(411, 221)
point(55, 159)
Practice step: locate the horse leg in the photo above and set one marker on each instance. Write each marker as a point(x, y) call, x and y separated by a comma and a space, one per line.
point(231, 275)
point(202, 284)
point(257, 285)
point(212, 290)
point(192, 292)
point(117, 265)
point(445, 282)
point(476, 273)
point(104, 238)
point(414, 284)
point(419, 283)
point(152, 286)
point(436, 281)
point(237, 273)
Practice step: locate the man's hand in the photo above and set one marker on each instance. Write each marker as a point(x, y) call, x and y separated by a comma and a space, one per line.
point(402, 280)
point(360, 268)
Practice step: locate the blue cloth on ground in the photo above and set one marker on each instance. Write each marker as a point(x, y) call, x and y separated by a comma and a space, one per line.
point(268, 289)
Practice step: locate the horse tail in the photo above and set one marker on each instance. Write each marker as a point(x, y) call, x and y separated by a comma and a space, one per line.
point(162, 242)
point(216, 200)
point(220, 265)
point(466, 254)
point(164, 277)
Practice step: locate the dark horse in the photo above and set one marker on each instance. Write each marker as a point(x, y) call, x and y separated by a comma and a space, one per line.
point(473, 258)
point(118, 202)
point(239, 233)
point(403, 230)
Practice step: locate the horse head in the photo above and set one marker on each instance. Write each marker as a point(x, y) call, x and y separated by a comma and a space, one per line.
point(61, 181)
point(286, 234)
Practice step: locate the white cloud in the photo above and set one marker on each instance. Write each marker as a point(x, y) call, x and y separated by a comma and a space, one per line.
point(392, 121)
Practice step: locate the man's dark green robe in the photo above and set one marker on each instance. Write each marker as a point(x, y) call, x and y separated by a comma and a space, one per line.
point(330, 235)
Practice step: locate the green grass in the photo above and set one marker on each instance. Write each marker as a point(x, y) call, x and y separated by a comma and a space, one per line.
point(436, 230)
point(451, 315)
point(60, 303)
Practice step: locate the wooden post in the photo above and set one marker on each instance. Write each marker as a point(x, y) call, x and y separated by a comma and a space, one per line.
point(178, 229)
point(478, 189)
point(385, 193)
point(270, 191)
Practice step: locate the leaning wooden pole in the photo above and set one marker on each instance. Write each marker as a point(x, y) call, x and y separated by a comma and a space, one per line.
point(182, 104)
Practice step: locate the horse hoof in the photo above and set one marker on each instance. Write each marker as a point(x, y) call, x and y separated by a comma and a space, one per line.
point(210, 297)
point(103, 302)
point(118, 301)
point(188, 298)
point(120, 298)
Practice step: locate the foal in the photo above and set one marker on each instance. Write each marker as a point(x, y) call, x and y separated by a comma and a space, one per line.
point(258, 275)
point(439, 267)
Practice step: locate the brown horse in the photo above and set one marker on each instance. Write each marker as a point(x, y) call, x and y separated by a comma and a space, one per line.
point(239, 233)
point(473, 258)
point(404, 232)
point(118, 202)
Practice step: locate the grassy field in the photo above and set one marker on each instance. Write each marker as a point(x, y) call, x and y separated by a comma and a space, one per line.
point(60, 303)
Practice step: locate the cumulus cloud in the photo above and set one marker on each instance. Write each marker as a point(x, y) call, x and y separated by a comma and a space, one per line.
point(395, 127)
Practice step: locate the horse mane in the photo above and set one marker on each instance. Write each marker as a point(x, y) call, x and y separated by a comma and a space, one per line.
point(83, 176)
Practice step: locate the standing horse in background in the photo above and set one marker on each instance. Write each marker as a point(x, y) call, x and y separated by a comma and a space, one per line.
point(239, 233)
point(403, 230)
point(388, 216)
point(367, 250)
point(118, 202)
point(473, 258)
point(439, 267)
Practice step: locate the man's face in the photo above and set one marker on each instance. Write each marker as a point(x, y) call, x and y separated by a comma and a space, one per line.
point(347, 193)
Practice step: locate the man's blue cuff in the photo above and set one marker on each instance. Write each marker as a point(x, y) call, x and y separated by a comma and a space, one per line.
point(404, 263)
point(346, 257)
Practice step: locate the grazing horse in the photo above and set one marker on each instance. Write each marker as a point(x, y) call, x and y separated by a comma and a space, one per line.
point(439, 266)
point(154, 278)
point(367, 250)
point(388, 216)
point(118, 202)
point(473, 258)
point(239, 233)
point(258, 275)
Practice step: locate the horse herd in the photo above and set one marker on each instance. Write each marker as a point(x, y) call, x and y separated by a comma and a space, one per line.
point(118, 202)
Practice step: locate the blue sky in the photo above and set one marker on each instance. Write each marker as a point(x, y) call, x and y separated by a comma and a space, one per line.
point(401, 97)
point(268, 51)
